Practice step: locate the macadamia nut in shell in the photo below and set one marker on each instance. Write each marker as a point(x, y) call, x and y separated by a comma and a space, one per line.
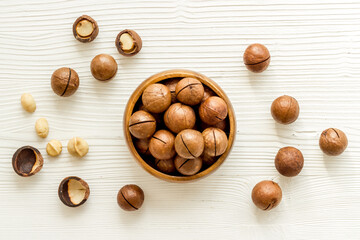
point(333, 141)
point(156, 98)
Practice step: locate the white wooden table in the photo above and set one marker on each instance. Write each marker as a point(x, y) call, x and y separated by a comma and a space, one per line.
point(315, 48)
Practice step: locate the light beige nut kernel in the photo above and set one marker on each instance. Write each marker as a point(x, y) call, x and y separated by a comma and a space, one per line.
point(127, 42)
point(54, 148)
point(28, 102)
point(84, 28)
point(78, 147)
point(42, 127)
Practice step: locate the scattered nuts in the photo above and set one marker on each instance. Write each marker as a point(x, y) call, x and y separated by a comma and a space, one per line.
point(189, 91)
point(128, 43)
point(85, 29)
point(289, 161)
point(27, 161)
point(73, 191)
point(42, 127)
point(215, 141)
point(78, 147)
point(171, 84)
point(28, 102)
point(65, 82)
point(189, 144)
point(161, 145)
point(142, 145)
point(165, 166)
point(179, 117)
point(333, 141)
point(266, 195)
point(213, 110)
point(103, 67)
point(285, 109)
point(156, 98)
point(130, 197)
point(142, 124)
point(186, 166)
point(257, 58)
point(54, 148)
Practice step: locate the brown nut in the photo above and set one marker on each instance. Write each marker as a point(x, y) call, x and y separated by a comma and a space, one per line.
point(266, 195)
point(142, 124)
point(27, 161)
point(156, 98)
point(333, 141)
point(207, 93)
point(221, 125)
point(179, 117)
point(171, 84)
point(166, 166)
point(103, 67)
point(289, 161)
point(186, 166)
point(207, 159)
point(213, 110)
point(85, 29)
point(161, 145)
point(128, 43)
point(285, 109)
point(189, 144)
point(73, 191)
point(142, 145)
point(215, 141)
point(257, 58)
point(130, 197)
point(65, 82)
point(189, 91)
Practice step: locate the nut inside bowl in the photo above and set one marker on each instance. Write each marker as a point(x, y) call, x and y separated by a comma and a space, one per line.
point(134, 104)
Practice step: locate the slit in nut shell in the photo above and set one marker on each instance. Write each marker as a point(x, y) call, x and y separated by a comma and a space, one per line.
point(73, 191)
point(85, 29)
point(128, 42)
point(27, 161)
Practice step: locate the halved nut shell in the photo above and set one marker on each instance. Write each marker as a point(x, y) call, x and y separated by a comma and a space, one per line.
point(128, 43)
point(27, 161)
point(73, 191)
point(85, 29)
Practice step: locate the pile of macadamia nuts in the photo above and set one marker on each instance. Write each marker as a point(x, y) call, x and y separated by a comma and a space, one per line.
point(180, 126)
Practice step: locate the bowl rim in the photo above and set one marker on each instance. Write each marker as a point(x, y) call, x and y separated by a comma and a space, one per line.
point(161, 76)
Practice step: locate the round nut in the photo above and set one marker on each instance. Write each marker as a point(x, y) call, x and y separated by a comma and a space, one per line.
point(257, 58)
point(266, 195)
point(65, 82)
point(130, 197)
point(54, 148)
point(285, 109)
point(189, 91)
point(333, 141)
point(28, 102)
point(179, 117)
point(171, 84)
point(128, 43)
point(27, 161)
point(161, 145)
point(103, 67)
point(165, 166)
point(78, 147)
point(156, 98)
point(73, 191)
point(142, 145)
point(142, 124)
point(215, 141)
point(213, 110)
point(187, 167)
point(42, 127)
point(189, 144)
point(289, 161)
point(85, 29)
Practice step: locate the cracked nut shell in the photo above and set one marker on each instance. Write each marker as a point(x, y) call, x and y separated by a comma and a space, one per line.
point(215, 141)
point(266, 195)
point(289, 161)
point(189, 144)
point(142, 124)
point(27, 161)
point(213, 110)
point(257, 58)
point(128, 43)
point(189, 91)
point(161, 145)
point(187, 167)
point(85, 29)
point(165, 166)
point(73, 191)
point(285, 109)
point(65, 81)
point(179, 117)
point(130, 197)
point(103, 67)
point(156, 98)
point(78, 147)
point(333, 141)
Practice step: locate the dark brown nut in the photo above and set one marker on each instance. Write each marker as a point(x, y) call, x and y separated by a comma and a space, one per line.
point(171, 84)
point(333, 141)
point(221, 125)
point(208, 160)
point(27, 161)
point(142, 145)
point(213, 110)
point(65, 82)
point(73, 191)
point(189, 91)
point(130, 197)
point(156, 98)
point(179, 117)
point(266, 195)
point(161, 145)
point(186, 166)
point(128, 43)
point(165, 166)
point(257, 58)
point(189, 144)
point(289, 161)
point(285, 109)
point(207, 93)
point(85, 29)
point(103, 67)
point(215, 141)
point(142, 124)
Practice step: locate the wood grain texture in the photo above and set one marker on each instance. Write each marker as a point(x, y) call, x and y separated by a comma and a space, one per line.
point(315, 49)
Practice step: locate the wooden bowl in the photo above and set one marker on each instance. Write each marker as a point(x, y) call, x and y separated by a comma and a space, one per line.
point(169, 75)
